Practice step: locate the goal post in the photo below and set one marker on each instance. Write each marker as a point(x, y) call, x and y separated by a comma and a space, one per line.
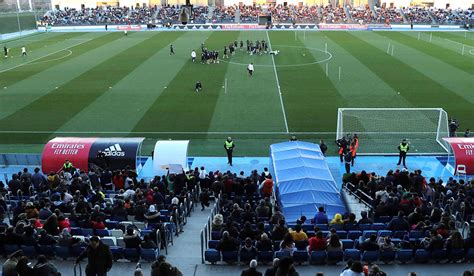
point(380, 130)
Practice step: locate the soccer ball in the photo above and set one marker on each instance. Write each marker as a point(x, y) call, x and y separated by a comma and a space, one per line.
point(304, 55)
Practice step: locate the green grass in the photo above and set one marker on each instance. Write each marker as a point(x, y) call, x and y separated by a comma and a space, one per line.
point(9, 22)
point(104, 84)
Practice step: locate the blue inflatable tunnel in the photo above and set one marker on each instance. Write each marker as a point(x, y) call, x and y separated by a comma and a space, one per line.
point(304, 181)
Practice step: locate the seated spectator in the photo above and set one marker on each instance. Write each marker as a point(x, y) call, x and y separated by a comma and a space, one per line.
point(51, 225)
point(272, 270)
point(350, 222)
point(375, 271)
point(65, 238)
point(369, 244)
point(318, 242)
point(45, 212)
point(252, 271)
point(11, 237)
point(248, 214)
point(277, 216)
point(217, 222)
point(365, 219)
point(228, 243)
point(131, 238)
point(279, 231)
point(262, 210)
point(455, 241)
point(433, 242)
point(248, 246)
point(264, 244)
point(321, 217)
point(247, 231)
point(162, 267)
point(386, 244)
point(45, 238)
point(337, 219)
point(147, 243)
point(405, 243)
point(63, 223)
point(44, 267)
point(355, 270)
point(31, 211)
point(286, 267)
point(23, 268)
point(399, 223)
point(152, 216)
point(298, 234)
point(334, 244)
point(28, 237)
point(287, 244)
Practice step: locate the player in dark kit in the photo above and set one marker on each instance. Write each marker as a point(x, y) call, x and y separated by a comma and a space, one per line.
point(198, 86)
point(171, 49)
point(225, 52)
point(5, 51)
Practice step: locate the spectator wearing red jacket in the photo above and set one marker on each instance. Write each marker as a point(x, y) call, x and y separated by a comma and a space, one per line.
point(317, 242)
point(267, 186)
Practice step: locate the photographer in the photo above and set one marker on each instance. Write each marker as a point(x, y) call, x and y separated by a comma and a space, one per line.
point(453, 127)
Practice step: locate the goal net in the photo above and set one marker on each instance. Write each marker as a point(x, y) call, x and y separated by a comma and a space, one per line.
point(381, 130)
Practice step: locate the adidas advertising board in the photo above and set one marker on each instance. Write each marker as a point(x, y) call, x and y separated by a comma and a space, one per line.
point(117, 153)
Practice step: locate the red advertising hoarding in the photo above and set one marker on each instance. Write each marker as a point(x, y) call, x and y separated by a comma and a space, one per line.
point(463, 149)
point(60, 149)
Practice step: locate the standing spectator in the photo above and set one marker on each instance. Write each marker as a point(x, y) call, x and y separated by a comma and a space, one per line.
point(9, 266)
point(23, 268)
point(229, 148)
point(355, 270)
point(323, 147)
point(375, 271)
point(467, 132)
point(252, 271)
point(272, 270)
point(99, 257)
point(162, 267)
point(403, 149)
point(321, 217)
point(348, 160)
point(44, 268)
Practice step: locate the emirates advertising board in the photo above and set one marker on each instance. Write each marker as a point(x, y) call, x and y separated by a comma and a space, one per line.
point(83, 153)
point(463, 149)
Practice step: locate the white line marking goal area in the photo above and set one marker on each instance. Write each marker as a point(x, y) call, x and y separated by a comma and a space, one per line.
point(278, 85)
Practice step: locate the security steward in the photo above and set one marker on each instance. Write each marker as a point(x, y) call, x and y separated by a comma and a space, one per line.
point(229, 148)
point(67, 166)
point(353, 150)
point(342, 144)
point(403, 148)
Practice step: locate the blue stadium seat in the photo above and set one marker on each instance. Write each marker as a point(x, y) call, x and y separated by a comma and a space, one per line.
point(87, 232)
point(282, 254)
point(354, 234)
point(246, 256)
point(276, 245)
point(62, 251)
point(165, 212)
point(383, 219)
point(318, 257)
point(456, 255)
point(322, 227)
point(384, 233)
point(387, 256)
point(335, 256)
point(10, 248)
point(470, 254)
point(29, 251)
point(47, 250)
point(378, 226)
point(145, 232)
point(396, 242)
point(213, 256)
point(336, 226)
point(415, 235)
point(76, 231)
point(422, 256)
point(111, 224)
point(300, 256)
point(342, 234)
point(117, 252)
point(307, 227)
point(265, 256)
point(351, 254)
point(326, 233)
point(149, 255)
point(370, 256)
point(215, 235)
point(364, 227)
point(230, 256)
point(301, 245)
point(131, 254)
point(77, 250)
point(212, 244)
point(404, 255)
point(439, 255)
point(347, 244)
point(366, 234)
point(398, 234)
point(102, 232)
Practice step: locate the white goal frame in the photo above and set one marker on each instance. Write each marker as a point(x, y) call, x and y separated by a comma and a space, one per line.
point(441, 127)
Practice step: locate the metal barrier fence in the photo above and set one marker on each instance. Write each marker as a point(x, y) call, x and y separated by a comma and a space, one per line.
point(206, 231)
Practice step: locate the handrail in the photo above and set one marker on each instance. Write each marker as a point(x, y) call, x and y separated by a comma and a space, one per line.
point(202, 246)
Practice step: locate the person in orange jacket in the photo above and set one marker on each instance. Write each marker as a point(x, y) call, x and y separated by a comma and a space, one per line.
point(353, 149)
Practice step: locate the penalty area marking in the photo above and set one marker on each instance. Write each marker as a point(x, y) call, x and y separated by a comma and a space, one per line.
point(288, 65)
point(54, 59)
point(38, 58)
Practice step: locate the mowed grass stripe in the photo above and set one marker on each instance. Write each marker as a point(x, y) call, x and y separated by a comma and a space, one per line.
point(307, 96)
point(438, 52)
point(28, 70)
point(62, 104)
point(179, 107)
point(415, 87)
point(138, 89)
point(35, 40)
point(455, 37)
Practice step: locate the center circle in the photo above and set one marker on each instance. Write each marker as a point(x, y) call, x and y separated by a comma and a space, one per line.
point(329, 57)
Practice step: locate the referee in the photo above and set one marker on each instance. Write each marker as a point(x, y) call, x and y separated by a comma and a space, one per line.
point(229, 148)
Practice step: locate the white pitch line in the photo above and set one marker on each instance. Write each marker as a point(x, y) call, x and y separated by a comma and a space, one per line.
point(278, 85)
point(33, 60)
point(459, 43)
point(54, 59)
point(201, 132)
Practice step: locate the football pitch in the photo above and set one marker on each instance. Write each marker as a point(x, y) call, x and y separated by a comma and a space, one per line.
point(111, 85)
